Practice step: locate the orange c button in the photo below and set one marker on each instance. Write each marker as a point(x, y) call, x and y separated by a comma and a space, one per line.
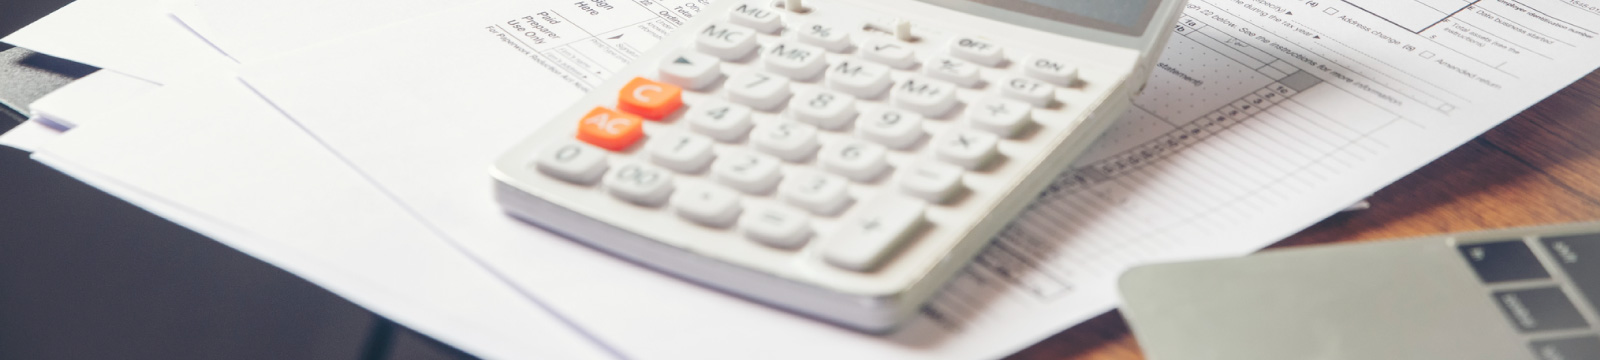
point(650, 99)
point(610, 129)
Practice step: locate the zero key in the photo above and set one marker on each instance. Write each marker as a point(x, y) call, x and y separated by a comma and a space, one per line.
point(650, 99)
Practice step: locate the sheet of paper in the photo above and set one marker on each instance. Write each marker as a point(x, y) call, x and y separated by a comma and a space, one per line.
point(29, 135)
point(134, 37)
point(89, 97)
point(237, 26)
point(1263, 117)
point(215, 157)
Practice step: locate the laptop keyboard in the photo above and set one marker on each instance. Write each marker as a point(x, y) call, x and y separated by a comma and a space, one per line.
point(1544, 296)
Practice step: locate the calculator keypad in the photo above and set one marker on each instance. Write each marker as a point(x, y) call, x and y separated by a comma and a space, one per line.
point(765, 129)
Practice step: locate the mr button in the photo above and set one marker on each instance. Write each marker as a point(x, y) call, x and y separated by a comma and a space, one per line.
point(650, 99)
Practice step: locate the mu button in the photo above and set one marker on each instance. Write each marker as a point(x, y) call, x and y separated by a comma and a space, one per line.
point(650, 99)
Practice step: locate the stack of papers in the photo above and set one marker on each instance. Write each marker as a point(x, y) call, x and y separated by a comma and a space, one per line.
point(348, 142)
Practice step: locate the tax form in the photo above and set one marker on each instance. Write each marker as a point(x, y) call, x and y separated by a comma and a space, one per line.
point(1261, 118)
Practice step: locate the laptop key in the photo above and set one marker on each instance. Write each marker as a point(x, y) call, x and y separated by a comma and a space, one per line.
point(1500, 261)
point(1540, 309)
point(1573, 254)
point(1587, 347)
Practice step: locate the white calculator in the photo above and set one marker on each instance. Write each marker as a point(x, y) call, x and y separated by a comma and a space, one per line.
point(838, 159)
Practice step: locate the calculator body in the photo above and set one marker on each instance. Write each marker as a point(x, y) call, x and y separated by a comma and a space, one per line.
point(823, 272)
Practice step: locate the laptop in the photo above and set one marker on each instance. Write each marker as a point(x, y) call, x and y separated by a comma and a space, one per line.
point(1524, 293)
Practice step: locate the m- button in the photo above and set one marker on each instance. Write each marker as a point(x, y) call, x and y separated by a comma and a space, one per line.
point(650, 99)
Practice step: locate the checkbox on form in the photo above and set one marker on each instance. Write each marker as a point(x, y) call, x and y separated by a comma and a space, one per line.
point(1426, 54)
point(1331, 11)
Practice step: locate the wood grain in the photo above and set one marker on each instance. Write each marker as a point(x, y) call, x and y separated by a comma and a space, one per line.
point(1540, 167)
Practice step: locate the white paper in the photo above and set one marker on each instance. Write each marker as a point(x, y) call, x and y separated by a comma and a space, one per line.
point(29, 135)
point(89, 97)
point(253, 30)
point(423, 108)
point(213, 156)
point(134, 37)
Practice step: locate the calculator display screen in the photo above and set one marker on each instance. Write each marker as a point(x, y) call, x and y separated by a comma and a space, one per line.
point(1129, 17)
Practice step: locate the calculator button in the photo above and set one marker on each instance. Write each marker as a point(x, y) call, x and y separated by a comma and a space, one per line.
point(1540, 309)
point(1499, 261)
point(924, 96)
point(729, 42)
point(610, 129)
point(858, 78)
point(756, 17)
point(639, 183)
point(680, 152)
point(573, 162)
point(1029, 90)
point(953, 70)
point(720, 120)
point(708, 205)
point(690, 70)
point(776, 226)
point(650, 99)
point(787, 140)
point(854, 159)
point(929, 180)
point(866, 239)
point(966, 148)
point(999, 116)
point(824, 36)
point(819, 193)
point(747, 172)
point(977, 51)
point(1050, 70)
point(824, 108)
point(888, 52)
point(891, 127)
point(793, 60)
point(758, 90)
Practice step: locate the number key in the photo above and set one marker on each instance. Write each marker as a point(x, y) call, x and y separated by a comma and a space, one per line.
point(573, 162)
point(758, 90)
point(640, 184)
point(720, 120)
point(680, 152)
point(748, 172)
point(823, 108)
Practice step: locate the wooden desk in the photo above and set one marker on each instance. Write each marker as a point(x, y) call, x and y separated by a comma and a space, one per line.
point(1540, 167)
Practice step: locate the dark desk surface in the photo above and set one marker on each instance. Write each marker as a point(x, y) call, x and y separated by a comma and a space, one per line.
point(1541, 167)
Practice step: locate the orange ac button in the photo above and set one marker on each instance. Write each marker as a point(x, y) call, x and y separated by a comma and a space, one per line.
point(650, 99)
point(610, 129)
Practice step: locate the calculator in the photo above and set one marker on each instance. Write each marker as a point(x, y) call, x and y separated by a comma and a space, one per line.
point(838, 159)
